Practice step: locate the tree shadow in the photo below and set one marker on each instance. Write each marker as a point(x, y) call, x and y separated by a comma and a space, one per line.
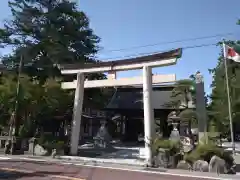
point(4, 174)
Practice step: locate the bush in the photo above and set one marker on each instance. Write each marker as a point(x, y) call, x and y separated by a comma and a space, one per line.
point(50, 142)
point(227, 156)
point(23, 132)
point(46, 138)
point(206, 152)
point(59, 145)
point(172, 146)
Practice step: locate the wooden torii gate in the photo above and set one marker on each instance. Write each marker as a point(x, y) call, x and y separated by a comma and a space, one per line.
point(146, 63)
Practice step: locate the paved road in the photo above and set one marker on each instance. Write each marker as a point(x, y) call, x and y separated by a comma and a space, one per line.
point(34, 170)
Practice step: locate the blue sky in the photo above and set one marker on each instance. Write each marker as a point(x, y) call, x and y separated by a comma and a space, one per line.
point(123, 24)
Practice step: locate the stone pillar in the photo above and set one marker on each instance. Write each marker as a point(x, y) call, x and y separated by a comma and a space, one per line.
point(77, 114)
point(111, 75)
point(201, 108)
point(148, 113)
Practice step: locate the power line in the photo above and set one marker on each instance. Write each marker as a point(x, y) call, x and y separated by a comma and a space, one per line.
point(139, 54)
point(171, 42)
point(155, 52)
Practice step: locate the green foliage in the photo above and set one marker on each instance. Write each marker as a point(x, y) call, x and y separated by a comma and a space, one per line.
point(24, 132)
point(42, 35)
point(206, 152)
point(217, 111)
point(172, 146)
point(181, 93)
point(189, 116)
point(50, 145)
point(36, 102)
point(50, 142)
point(47, 33)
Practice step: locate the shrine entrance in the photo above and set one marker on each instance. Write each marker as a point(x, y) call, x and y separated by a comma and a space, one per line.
point(146, 63)
point(126, 107)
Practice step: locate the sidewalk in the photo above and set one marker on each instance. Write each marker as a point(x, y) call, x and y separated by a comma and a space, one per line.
point(135, 162)
point(77, 159)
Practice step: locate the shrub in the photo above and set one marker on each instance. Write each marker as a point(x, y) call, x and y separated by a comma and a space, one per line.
point(23, 132)
point(172, 146)
point(206, 152)
point(46, 138)
point(227, 156)
point(59, 145)
point(50, 142)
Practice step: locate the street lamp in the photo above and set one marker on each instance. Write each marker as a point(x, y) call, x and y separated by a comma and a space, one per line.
point(174, 120)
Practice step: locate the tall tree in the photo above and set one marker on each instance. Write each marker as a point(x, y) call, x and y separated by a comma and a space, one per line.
point(218, 112)
point(46, 33)
point(43, 34)
point(37, 104)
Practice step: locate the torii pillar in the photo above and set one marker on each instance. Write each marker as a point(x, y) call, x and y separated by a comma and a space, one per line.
point(77, 114)
point(149, 123)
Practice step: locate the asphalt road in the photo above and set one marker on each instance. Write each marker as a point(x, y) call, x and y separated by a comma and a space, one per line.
point(34, 170)
point(16, 169)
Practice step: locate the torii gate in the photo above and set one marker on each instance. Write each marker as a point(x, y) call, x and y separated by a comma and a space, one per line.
point(146, 63)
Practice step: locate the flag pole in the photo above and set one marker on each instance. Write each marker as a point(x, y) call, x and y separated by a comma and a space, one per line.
point(228, 98)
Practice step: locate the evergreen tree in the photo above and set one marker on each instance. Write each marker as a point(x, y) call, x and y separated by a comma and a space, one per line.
point(46, 33)
point(218, 111)
point(43, 34)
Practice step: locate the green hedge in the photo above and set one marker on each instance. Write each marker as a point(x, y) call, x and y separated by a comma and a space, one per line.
point(172, 146)
point(206, 152)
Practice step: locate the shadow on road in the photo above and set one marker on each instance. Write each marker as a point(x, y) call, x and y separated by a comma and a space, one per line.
point(27, 161)
point(15, 172)
point(4, 174)
point(15, 169)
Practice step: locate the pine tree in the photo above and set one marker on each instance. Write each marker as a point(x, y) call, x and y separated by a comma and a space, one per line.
point(46, 33)
point(218, 111)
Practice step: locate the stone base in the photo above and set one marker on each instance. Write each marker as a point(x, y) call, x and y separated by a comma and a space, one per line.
point(142, 152)
point(202, 137)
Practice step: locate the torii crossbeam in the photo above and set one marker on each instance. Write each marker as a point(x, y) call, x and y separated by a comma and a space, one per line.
point(146, 63)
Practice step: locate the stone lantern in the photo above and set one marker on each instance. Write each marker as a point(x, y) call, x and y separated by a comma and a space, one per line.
point(174, 120)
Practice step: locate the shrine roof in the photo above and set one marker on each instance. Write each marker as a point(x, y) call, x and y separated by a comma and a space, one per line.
point(132, 98)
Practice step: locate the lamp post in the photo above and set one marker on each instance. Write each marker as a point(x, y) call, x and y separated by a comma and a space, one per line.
point(174, 120)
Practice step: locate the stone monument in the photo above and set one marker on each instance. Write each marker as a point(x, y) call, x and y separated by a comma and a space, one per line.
point(103, 138)
point(201, 108)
